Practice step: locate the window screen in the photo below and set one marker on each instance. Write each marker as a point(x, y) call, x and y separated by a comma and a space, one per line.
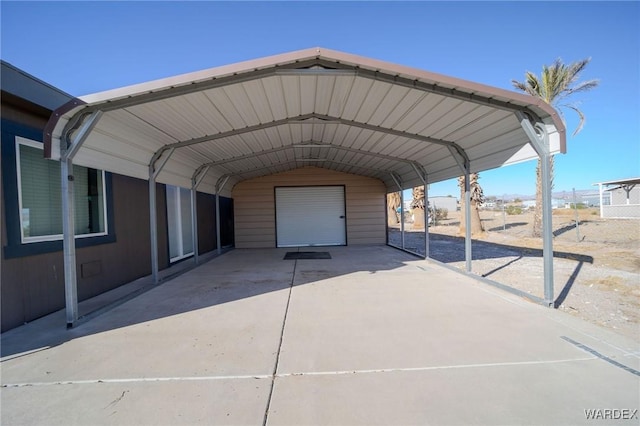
point(41, 197)
point(179, 221)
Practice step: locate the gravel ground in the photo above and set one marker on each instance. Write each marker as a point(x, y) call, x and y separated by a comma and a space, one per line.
point(596, 272)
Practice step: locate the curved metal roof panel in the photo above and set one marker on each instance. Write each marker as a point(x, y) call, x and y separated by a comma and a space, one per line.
point(312, 107)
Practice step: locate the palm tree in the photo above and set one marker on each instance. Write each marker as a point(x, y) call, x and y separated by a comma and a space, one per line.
point(556, 82)
point(477, 198)
point(393, 202)
point(417, 207)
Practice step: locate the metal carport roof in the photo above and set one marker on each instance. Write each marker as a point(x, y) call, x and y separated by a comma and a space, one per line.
point(311, 107)
point(211, 129)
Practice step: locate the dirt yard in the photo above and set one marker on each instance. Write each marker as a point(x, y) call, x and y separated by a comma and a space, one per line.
point(596, 267)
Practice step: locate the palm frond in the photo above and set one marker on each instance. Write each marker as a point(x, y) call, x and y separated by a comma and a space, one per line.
point(557, 82)
point(582, 118)
point(576, 68)
point(583, 87)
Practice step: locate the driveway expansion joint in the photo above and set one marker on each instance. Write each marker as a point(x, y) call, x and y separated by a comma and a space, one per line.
point(601, 356)
point(284, 323)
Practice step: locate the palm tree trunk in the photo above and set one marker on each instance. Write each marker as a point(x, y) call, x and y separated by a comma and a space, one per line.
point(537, 213)
point(476, 224)
point(417, 207)
point(476, 192)
point(393, 201)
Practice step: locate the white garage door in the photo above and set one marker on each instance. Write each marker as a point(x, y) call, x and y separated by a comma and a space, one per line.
point(310, 216)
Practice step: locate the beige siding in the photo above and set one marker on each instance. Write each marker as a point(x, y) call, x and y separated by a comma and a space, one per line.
point(254, 205)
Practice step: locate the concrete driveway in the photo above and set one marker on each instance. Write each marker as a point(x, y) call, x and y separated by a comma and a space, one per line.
point(371, 336)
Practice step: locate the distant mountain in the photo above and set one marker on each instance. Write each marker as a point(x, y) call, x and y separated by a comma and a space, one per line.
point(568, 195)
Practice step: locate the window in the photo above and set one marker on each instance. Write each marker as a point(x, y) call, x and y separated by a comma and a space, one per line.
point(179, 220)
point(40, 196)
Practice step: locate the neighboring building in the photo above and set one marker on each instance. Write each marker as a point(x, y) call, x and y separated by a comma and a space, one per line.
point(624, 198)
point(556, 203)
point(112, 214)
point(439, 202)
point(592, 199)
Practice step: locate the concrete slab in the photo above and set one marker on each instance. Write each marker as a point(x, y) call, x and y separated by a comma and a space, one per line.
point(535, 394)
point(404, 319)
point(205, 402)
point(223, 318)
point(371, 336)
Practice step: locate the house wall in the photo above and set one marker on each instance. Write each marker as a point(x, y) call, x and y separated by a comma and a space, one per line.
point(619, 196)
point(207, 223)
point(254, 205)
point(32, 275)
point(33, 285)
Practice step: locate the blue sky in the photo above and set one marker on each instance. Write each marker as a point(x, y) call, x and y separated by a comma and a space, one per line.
point(86, 47)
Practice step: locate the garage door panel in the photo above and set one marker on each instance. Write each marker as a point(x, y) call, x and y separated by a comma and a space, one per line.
point(310, 216)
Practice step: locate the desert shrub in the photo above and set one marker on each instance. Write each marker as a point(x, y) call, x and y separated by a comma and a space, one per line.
point(440, 214)
point(578, 206)
point(513, 210)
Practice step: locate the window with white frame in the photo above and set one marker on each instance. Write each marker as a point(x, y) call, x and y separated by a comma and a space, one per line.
point(179, 221)
point(40, 196)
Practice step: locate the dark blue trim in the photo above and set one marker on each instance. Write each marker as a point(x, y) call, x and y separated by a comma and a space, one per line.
point(15, 247)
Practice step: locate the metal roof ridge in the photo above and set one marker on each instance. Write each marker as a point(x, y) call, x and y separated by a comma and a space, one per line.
point(619, 181)
point(203, 75)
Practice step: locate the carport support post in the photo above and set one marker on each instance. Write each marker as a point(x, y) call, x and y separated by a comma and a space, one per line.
point(153, 218)
point(194, 222)
point(465, 166)
point(219, 248)
point(398, 182)
point(402, 216)
point(601, 200)
point(540, 141)
point(198, 175)
point(69, 243)
point(426, 218)
point(219, 185)
point(153, 227)
point(422, 175)
point(69, 148)
point(467, 216)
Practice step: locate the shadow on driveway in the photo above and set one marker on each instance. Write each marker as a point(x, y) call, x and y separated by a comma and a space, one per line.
point(236, 275)
point(451, 249)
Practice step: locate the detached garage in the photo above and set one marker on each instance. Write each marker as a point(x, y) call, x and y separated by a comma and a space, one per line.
point(309, 206)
